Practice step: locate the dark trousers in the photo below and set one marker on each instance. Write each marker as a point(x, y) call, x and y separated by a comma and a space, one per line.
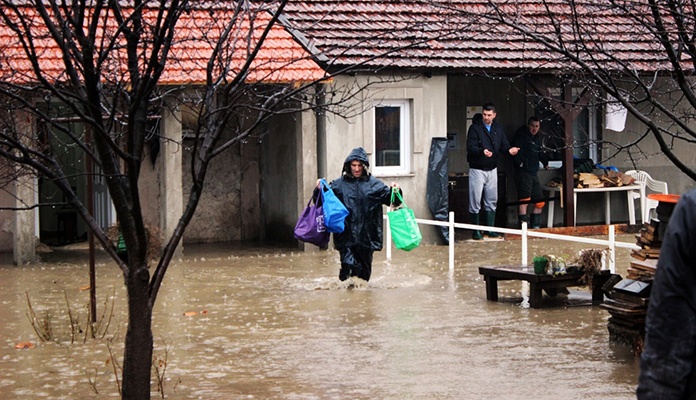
point(355, 261)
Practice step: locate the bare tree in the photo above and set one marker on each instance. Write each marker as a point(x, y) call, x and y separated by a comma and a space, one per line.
point(103, 63)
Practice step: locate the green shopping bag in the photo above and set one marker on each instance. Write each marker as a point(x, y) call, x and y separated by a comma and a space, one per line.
point(402, 223)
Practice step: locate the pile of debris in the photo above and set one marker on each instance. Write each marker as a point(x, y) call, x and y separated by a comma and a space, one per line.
point(627, 301)
point(627, 304)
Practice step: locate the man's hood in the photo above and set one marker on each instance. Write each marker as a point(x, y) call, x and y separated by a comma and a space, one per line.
point(359, 154)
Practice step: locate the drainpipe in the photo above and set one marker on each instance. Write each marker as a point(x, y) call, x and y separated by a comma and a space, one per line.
point(321, 130)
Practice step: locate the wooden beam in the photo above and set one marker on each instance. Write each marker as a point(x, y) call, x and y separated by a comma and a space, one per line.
point(568, 110)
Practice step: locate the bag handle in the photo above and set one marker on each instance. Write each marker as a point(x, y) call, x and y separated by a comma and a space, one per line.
point(316, 197)
point(324, 184)
point(397, 192)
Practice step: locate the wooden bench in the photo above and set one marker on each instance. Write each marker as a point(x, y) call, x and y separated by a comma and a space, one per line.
point(537, 283)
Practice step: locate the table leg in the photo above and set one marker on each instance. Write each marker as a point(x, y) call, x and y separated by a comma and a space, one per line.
point(575, 208)
point(535, 296)
point(549, 217)
point(644, 216)
point(607, 208)
point(631, 207)
point(491, 288)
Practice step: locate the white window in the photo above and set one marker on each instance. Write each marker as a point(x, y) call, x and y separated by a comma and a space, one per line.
point(392, 136)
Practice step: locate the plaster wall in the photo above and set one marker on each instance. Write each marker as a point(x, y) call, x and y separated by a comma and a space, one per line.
point(279, 179)
point(218, 215)
point(6, 221)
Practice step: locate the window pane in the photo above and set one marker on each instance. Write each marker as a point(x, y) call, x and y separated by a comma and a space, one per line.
point(387, 136)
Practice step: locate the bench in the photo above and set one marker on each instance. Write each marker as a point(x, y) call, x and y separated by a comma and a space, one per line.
point(537, 283)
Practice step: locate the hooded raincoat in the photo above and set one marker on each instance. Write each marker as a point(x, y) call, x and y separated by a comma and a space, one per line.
point(363, 197)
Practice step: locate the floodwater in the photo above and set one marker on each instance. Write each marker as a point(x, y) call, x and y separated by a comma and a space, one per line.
point(237, 322)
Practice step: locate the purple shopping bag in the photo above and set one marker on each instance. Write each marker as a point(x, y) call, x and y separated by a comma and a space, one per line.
point(310, 226)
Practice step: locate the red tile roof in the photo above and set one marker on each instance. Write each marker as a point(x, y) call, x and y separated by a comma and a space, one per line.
point(462, 35)
point(281, 59)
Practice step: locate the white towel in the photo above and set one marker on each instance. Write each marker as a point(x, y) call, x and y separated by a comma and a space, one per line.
point(615, 118)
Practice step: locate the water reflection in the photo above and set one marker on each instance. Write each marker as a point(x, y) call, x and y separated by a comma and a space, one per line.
point(275, 323)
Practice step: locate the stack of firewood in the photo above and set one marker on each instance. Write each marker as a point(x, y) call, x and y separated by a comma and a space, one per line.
point(588, 180)
point(610, 179)
point(649, 241)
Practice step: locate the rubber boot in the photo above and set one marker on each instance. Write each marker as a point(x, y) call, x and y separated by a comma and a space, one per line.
point(536, 221)
point(490, 221)
point(474, 220)
point(523, 218)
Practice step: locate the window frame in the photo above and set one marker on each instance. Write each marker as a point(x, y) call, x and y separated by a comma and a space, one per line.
point(404, 166)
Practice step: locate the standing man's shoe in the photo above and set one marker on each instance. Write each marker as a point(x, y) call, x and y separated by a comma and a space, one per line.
point(490, 221)
point(523, 218)
point(536, 221)
point(474, 220)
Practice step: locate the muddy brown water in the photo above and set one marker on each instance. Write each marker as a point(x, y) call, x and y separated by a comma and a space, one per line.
point(240, 322)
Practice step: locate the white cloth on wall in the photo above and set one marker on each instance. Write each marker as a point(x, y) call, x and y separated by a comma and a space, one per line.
point(615, 118)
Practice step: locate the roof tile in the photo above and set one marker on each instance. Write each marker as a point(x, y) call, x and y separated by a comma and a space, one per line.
point(459, 34)
point(280, 60)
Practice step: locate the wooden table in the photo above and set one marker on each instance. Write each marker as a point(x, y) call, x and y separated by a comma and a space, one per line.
point(629, 189)
point(537, 283)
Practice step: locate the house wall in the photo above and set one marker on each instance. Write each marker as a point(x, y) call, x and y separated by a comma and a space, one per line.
point(150, 189)
point(6, 220)
point(428, 98)
point(218, 215)
point(279, 179)
point(251, 192)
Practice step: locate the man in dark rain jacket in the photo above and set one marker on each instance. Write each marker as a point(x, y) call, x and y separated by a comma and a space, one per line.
point(668, 361)
point(528, 140)
point(485, 142)
point(363, 195)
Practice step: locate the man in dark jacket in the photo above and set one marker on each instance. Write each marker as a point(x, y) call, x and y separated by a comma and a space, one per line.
point(485, 141)
point(526, 162)
point(363, 195)
point(668, 361)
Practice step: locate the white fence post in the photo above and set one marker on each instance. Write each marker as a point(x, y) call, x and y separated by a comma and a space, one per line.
point(451, 241)
point(612, 249)
point(524, 243)
point(389, 240)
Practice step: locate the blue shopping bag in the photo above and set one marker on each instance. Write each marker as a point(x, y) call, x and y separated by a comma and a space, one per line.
point(335, 212)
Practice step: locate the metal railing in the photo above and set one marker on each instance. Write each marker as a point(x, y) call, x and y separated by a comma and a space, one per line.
point(525, 234)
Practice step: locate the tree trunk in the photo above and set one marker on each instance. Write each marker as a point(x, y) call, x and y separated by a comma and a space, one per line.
point(137, 356)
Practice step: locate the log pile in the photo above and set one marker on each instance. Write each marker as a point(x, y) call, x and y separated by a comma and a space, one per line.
point(627, 301)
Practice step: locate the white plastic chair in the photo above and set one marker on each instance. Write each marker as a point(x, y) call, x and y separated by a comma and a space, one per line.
point(653, 185)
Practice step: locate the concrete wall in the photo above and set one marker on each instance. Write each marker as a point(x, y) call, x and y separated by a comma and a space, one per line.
point(6, 220)
point(252, 192)
point(218, 216)
point(428, 98)
point(283, 163)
